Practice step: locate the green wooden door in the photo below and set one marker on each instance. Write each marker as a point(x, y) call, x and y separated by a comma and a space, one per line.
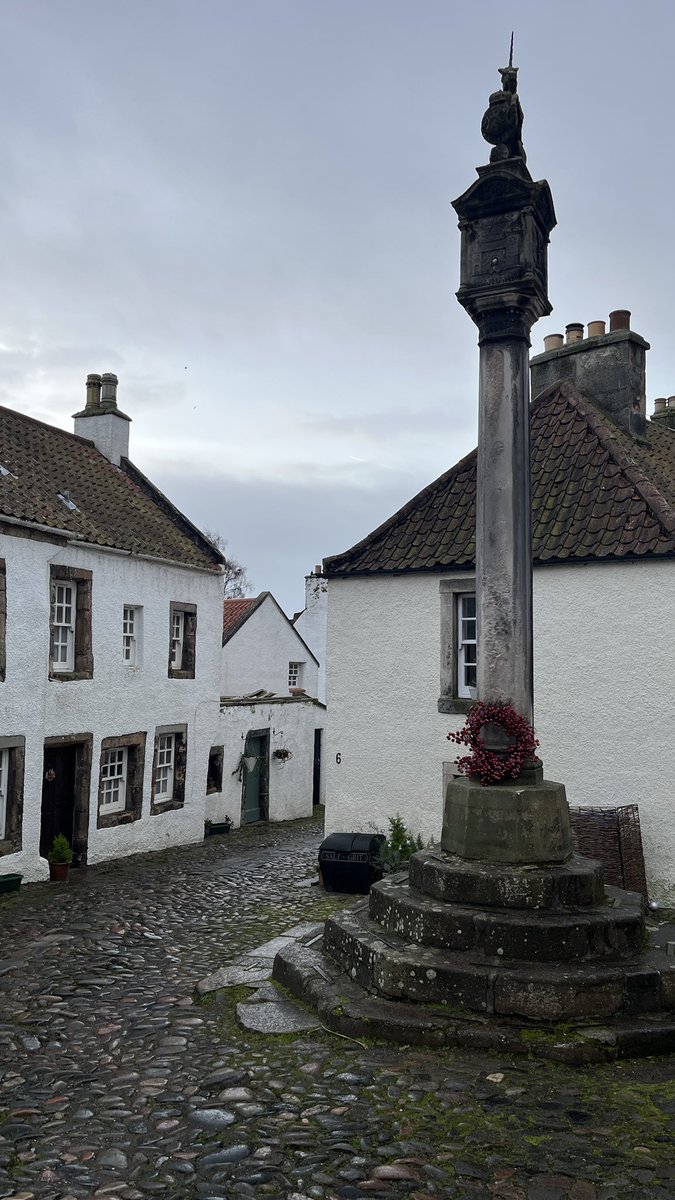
point(254, 802)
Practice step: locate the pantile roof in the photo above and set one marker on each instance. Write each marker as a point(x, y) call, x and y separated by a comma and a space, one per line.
point(235, 612)
point(597, 493)
point(56, 479)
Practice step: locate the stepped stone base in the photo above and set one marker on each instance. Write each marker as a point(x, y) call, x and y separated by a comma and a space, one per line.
point(460, 952)
point(315, 979)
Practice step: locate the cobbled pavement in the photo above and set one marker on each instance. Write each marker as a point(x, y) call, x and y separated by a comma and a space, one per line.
point(116, 1082)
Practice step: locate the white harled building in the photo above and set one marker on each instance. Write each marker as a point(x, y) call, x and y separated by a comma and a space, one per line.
point(110, 607)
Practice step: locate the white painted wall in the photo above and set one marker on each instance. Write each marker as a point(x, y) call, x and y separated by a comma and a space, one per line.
point(291, 724)
point(119, 699)
point(604, 708)
point(258, 654)
point(312, 624)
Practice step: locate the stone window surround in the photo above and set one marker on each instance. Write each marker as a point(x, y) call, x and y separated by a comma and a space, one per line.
point(189, 654)
point(450, 587)
point(3, 620)
point(215, 770)
point(11, 843)
point(134, 744)
point(84, 655)
point(180, 758)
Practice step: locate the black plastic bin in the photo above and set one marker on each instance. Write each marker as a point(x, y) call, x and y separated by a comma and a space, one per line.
point(347, 861)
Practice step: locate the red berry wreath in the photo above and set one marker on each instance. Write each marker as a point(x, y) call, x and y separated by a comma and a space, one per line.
point(492, 766)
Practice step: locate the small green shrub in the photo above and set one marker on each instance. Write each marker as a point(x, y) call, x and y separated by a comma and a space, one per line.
point(397, 847)
point(61, 851)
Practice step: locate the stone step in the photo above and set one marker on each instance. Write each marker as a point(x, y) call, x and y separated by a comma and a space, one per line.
point(578, 883)
point(388, 966)
point(614, 929)
point(306, 972)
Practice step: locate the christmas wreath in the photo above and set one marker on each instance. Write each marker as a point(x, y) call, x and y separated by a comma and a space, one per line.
point(488, 765)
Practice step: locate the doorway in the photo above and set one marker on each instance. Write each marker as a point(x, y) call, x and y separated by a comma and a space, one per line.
point(255, 784)
point(66, 779)
point(316, 768)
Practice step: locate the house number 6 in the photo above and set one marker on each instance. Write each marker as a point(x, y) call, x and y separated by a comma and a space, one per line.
point(338, 758)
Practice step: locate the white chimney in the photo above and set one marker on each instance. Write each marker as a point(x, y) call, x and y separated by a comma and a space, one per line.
point(101, 421)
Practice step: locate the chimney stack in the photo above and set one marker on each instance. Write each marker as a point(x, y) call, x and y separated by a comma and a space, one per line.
point(101, 422)
point(608, 368)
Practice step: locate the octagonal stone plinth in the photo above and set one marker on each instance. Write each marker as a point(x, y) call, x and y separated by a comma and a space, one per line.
point(512, 822)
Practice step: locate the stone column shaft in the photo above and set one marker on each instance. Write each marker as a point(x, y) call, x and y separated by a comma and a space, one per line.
point(504, 527)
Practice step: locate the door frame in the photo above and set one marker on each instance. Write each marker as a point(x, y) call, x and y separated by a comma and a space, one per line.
point(264, 774)
point(84, 746)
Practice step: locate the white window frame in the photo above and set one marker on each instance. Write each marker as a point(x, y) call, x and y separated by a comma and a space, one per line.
point(165, 766)
point(467, 646)
point(295, 674)
point(113, 789)
point(177, 638)
point(63, 617)
point(131, 635)
point(4, 790)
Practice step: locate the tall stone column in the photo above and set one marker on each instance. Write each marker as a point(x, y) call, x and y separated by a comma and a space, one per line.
point(505, 219)
point(503, 524)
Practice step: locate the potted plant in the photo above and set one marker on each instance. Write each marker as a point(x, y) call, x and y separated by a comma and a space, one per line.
point(211, 828)
point(59, 858)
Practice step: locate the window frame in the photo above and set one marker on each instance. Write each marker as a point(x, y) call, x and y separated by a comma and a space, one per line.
point(132, 636)
point(175, 798)
point(80, 664)
point(134, 746)
point(67, 603)
point(116, 778)
point(297, 674)
point(188, 642)
point(13, 749)
point(466, 691)
point(452, 589)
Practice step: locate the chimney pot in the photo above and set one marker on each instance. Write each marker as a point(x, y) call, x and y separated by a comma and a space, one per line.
point(93, 393)
point(660, 404)
point(317, 569)
point(619, 319)
point(671, 402)
point(575, 332)
point(596, 329)
point(554, 341)
point(109, 389)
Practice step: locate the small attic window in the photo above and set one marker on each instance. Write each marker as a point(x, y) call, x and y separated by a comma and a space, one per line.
point(65, 498)
point(6, 471)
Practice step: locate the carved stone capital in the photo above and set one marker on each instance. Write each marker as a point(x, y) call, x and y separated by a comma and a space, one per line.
point(504, 323)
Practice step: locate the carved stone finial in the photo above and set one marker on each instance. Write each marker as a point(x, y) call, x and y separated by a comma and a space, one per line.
point(502, 124)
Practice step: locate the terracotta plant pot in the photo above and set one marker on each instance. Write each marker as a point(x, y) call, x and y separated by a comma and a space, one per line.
point(58, 872)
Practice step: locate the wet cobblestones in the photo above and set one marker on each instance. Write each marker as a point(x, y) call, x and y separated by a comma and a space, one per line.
point(116, 1082)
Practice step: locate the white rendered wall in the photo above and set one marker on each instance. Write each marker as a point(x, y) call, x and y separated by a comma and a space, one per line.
point(291, 727)
point(312, 624)
point(604, 708)
point(258, 654)
point(119, 699)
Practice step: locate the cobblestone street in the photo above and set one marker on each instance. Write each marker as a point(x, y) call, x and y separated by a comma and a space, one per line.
point(116, 1081)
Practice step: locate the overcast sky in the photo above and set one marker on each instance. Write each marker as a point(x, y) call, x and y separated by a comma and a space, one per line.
point(243, 207)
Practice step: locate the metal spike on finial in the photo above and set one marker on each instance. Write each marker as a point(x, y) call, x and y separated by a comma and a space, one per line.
point(511, 51)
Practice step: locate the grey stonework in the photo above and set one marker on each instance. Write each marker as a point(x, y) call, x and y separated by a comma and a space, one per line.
point(610, 370)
